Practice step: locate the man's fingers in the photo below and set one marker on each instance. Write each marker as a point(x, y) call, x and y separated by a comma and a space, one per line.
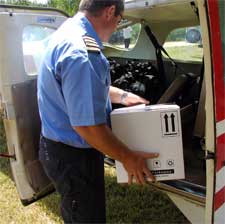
point(151, 155)
point(148, 155)
point(141, 177)
point(140, 169)
point(145, 101)
point(130, 177)
point(142, 100)
point(137, 178)
point(149, 174)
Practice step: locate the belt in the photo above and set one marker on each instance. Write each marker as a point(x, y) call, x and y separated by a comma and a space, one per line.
point(61, 150)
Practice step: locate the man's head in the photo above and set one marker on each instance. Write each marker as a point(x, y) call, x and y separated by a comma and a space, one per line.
point(95, 7)
point(103, 14)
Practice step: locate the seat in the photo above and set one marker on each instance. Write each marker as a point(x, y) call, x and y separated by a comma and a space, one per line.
point(176, 87)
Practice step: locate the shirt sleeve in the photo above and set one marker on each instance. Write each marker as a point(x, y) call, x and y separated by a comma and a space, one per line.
point(84, 90)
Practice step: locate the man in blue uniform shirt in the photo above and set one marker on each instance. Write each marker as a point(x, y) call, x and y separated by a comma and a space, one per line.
point(74, 97)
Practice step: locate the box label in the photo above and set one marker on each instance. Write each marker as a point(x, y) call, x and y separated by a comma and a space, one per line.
point(169, 124)
point(162, 172)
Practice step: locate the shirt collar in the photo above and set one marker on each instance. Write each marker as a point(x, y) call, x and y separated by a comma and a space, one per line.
point(86, 24)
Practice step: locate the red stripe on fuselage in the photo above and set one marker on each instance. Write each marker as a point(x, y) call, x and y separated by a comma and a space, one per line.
point(217, 58)
point(220, 152)
point(219, 199)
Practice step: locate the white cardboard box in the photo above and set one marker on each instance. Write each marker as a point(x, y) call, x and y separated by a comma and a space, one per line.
point(155, 128)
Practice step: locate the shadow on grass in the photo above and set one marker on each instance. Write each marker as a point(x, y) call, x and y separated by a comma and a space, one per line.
point(130, 204)
point(52, 204)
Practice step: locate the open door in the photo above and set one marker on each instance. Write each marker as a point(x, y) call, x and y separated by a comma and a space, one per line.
point(24, 35)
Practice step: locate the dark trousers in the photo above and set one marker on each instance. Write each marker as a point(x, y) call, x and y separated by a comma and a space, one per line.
point(78, 176)
point(127, 42)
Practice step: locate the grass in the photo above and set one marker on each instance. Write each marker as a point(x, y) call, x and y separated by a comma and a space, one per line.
point(139, 204)
point(185, 53)
point(180, 51)
point(125, 204)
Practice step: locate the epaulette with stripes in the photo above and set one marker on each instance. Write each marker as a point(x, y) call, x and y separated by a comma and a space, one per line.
point(91, 44)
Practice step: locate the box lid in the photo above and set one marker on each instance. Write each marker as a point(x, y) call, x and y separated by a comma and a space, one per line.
point(143, 108)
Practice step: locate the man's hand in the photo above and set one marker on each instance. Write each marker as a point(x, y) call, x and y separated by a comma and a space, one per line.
point(136, 166)
point(133, 99)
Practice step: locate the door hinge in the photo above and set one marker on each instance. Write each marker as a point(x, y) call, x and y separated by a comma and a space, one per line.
point(7, 156)
point(210, 155)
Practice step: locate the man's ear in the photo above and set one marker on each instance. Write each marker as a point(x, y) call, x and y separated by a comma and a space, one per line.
point(110, 12)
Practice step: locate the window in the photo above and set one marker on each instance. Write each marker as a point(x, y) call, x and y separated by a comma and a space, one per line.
point(34, 42)
point(126, 37)
point(185, 44)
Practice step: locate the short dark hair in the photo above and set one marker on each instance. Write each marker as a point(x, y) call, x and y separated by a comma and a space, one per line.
point(96, 6)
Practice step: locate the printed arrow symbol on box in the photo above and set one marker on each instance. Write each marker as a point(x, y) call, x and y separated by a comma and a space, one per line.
point(172, 116)
point(166, 122)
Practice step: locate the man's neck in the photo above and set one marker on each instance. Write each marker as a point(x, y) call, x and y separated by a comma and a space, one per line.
point(98, 25)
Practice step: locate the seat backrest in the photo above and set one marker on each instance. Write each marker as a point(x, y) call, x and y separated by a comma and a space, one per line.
point(174, 89)
point(199, 130)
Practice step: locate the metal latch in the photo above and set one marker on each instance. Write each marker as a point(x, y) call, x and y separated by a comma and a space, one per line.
point(210, 155)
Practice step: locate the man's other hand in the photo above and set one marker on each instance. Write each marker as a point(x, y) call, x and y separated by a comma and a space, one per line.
point(133, 99)
point(136, 166)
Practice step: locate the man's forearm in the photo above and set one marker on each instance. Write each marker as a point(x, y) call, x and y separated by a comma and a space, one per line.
point(115, 94)
point(102, 138)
